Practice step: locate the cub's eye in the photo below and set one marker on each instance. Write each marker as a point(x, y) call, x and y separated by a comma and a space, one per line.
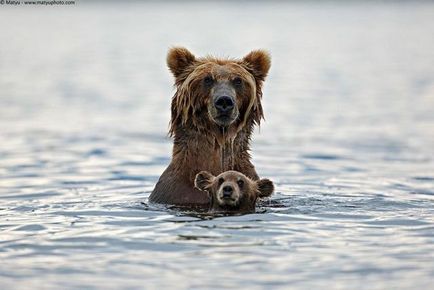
point(240, 183)
point(208, 80)
point(221, 180)
point(237, 82)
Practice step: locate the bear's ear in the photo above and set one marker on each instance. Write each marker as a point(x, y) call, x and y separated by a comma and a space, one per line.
point(178, 59)
point(203, 180)
point(258, 63)
point(265, 187)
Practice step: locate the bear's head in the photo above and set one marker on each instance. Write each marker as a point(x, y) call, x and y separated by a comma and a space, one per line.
point(232, 191)
point(217, 92)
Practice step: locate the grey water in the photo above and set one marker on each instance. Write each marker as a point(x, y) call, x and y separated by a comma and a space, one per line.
point(348, 140)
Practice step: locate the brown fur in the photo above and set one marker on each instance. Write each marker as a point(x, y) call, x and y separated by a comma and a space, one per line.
point(244, 195)
point(200, 143)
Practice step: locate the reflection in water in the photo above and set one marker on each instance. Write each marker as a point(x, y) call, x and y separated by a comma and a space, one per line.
point(348, 138)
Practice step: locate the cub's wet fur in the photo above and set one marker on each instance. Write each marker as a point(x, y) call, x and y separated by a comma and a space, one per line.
point(232, 191)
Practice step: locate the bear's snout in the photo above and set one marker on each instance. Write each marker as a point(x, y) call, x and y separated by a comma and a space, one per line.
point(225, 110)
point(224, 104)
point(223, 107)
point(227, 191)
point(228, 194)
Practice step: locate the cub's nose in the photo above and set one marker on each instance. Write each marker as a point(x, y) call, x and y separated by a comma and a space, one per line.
point(227, 191)
point(224, 104)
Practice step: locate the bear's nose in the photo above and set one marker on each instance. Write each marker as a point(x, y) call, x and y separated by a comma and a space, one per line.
point(224, 104)
point(227, 191)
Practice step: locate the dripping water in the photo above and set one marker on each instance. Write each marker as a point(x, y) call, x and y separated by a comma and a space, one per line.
point(223, 149)
point(224, 152)
point(232, 153)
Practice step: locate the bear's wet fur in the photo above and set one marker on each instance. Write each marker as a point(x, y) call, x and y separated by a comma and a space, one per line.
point(216, 105)
point(232, 191)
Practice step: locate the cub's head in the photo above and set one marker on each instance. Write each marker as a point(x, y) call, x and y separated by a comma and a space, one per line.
point(216, 91)
point(232, 190)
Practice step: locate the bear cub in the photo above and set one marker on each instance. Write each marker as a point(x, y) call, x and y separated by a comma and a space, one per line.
point(232, 191)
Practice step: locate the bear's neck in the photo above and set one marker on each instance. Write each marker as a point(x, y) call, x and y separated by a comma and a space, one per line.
point(216, 150)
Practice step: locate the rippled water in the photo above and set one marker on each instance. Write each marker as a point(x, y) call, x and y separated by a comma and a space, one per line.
point(348, 141)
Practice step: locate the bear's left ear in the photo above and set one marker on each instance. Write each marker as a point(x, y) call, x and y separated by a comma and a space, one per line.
point(265, 187)
point(178, 59)
point(203, 180)
point(258, 63)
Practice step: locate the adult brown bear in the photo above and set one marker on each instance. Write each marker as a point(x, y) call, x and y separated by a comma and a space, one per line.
point(215, 107)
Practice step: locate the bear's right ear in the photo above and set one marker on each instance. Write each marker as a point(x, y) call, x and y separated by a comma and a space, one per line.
point(265, 187)
point(203, 180)
point(178, 59)
point(258, 63)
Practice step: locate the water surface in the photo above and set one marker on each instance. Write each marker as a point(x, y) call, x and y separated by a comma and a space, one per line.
point(348, 140)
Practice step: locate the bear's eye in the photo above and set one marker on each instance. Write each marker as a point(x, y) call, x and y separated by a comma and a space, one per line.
point(221, 180)
point(240, 183)
point(237, 81)
point(208, 80)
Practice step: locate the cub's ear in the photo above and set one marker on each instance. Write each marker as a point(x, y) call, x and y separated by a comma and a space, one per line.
point(265, 187)
point(258, 63)
point(203, 180)
point(178, 59)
